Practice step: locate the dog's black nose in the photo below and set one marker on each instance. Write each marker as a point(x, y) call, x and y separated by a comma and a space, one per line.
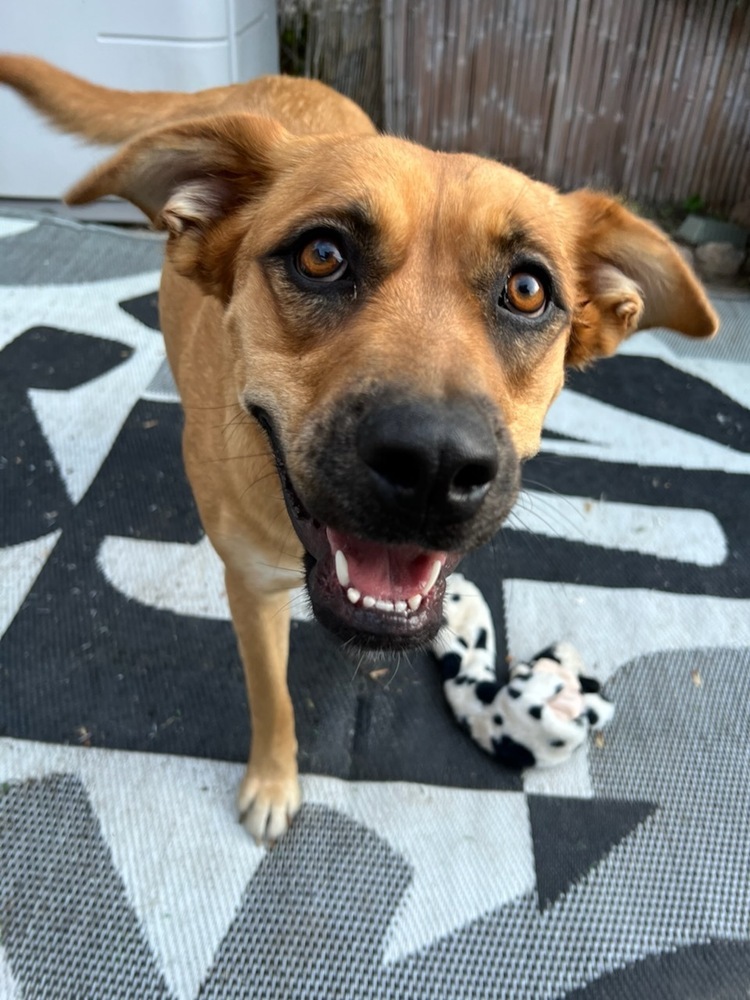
point(425, 458)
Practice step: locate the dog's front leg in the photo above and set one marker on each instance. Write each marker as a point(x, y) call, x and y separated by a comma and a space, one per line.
point(269, 795)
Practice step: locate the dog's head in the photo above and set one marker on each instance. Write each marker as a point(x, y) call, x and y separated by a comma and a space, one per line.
point(401, 322)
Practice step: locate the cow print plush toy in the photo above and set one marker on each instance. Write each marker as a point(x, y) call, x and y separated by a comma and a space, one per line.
point(541, 715)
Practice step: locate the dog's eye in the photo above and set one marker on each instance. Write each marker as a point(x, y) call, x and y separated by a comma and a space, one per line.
point(321, 260)
point(524, 293)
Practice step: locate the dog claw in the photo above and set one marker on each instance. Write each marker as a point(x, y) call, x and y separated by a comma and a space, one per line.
point(267, 806)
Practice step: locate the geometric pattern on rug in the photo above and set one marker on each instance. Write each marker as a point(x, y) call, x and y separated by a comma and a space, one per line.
point(418, 866)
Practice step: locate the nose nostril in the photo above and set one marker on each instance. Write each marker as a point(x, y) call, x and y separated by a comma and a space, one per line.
point(473, 476)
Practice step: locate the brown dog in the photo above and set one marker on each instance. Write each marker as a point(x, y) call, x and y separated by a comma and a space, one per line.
point(366, 336)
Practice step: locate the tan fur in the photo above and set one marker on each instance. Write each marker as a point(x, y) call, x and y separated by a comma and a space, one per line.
point(113, 116)
point(229, 173)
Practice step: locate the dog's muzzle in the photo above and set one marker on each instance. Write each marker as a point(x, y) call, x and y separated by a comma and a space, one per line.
point(392, 493)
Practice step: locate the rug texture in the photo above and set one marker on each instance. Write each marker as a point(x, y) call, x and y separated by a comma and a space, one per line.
point(418, 866)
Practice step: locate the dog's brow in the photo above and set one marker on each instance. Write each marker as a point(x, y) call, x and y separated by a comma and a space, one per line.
point(355, 217)
point(518, 240)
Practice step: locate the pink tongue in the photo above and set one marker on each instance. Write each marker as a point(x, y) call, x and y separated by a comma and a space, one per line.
point(387, 572)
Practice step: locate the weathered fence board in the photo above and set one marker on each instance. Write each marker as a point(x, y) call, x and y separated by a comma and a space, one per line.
point(650, 98)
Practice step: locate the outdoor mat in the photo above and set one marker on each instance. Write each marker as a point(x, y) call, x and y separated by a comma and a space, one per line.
point(418, 866)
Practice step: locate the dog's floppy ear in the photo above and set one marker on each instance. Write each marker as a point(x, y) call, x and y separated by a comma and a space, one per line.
point(630, 277)
point(188, 178)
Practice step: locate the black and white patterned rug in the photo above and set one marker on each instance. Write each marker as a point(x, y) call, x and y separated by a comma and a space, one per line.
point(418, 866)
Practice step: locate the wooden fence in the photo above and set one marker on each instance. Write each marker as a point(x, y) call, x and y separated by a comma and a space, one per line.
point(650, 98)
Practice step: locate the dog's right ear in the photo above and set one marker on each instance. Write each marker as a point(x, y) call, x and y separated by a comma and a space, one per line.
point(631, 277)
point(188, 178)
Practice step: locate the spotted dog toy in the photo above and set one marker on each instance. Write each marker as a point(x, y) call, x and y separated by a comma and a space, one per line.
point(545, 710)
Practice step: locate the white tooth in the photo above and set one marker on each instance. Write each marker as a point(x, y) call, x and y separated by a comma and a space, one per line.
point(400, 606)
point(368, 602)
point(436, 567)
point(384, 605)
point(342, 568)
point(353, 594)
point(414, 602)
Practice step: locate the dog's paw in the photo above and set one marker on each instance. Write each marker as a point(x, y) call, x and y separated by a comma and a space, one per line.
point(267, 806)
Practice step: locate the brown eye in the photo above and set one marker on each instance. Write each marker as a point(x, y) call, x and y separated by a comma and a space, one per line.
point(321, 260)
point(524, 293)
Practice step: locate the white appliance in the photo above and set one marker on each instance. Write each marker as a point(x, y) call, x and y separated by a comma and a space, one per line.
point(133, 45)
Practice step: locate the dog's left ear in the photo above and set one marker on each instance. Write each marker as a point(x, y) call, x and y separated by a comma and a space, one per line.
point(630, 277)
point(190, 178)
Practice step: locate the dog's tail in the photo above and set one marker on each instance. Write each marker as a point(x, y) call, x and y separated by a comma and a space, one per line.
point(98, 113)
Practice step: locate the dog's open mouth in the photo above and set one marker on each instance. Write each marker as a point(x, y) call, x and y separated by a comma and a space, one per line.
point(376, 595)
point(388, 578)
point(380, 596)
